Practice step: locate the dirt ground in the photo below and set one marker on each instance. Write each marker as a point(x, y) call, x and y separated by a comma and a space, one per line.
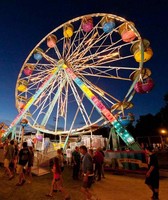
point(113, 187)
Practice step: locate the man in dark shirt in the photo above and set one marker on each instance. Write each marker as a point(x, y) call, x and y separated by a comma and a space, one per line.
point(24, 156)
point(152, 175)
point(87, 169)
point(76, 158)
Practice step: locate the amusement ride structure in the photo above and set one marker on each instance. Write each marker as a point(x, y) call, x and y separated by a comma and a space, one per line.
point(3, 128)
point(83, 75)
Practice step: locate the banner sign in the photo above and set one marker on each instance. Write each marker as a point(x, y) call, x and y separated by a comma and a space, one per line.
point(126, 160)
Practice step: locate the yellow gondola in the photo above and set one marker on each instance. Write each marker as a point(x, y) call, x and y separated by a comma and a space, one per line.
point(22, 86)
point(68, 30)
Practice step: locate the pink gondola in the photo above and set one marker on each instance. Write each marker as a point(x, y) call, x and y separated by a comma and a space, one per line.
point(28, 70)
point(144, 86)
point(87, 24)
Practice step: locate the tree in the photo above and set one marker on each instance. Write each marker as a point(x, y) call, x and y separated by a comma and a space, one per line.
point(162, 115)
point(146, 125)
point(149, 125)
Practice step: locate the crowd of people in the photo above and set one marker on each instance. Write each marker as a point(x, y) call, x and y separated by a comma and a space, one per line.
point(86, 164)
point(18, 159)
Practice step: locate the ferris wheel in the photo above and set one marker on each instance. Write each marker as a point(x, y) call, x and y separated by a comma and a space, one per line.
point(87, 64)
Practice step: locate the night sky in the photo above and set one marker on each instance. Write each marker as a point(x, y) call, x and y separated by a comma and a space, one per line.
point(24, 23)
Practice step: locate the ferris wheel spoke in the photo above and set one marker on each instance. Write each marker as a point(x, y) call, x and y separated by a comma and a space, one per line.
point(71, 47)
point(103, 94)
point(78, 100)
point(99, 74)
point(87, 42)
point(82, 47)
point(43, 100)
point(104, 57)
point(41, 104)
point(107, 49)
point(35, 81)
point(53, 102)
point(57, 52)
point(48, 58)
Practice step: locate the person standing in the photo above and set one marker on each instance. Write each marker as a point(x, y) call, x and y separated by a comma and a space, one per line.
point(30, 163)
point(69, 156)
point(5, 145)
point(16, 155)
point(76, 158)
point(98, 159)
point(88, 175)
point(152, 175)
point(46, 145)
point(103, 164)
point(23, 158)
point(9, 155)
point(61, 159)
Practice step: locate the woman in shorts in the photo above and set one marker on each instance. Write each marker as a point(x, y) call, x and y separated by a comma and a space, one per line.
point(57, 180)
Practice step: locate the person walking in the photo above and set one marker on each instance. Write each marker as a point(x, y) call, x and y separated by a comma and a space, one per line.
point(88, 175)
point(30, 164)
point(76, 158)
point(23, 158)
point(56, 181)
point(9, 156)
point(152, 175)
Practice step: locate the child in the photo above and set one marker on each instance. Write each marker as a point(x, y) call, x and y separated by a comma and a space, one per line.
point(57, 180)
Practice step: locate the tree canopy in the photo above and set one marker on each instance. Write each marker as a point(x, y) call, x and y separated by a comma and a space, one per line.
point(149, 125)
